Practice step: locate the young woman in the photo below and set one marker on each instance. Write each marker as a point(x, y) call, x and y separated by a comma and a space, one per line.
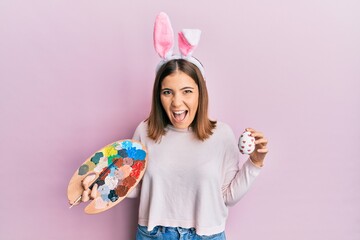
point(193, 173)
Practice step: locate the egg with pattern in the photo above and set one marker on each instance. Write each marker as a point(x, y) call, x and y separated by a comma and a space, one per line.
point(246, 143)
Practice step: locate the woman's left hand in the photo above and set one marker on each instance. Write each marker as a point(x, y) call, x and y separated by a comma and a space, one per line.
point(258, 155)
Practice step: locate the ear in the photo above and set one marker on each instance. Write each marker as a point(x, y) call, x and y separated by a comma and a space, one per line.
point(163, 36)
point(188, 41)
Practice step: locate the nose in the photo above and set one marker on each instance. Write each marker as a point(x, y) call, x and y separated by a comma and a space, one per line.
point(176, 100)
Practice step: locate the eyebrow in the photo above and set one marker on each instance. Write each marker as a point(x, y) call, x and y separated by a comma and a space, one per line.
point(180, 89)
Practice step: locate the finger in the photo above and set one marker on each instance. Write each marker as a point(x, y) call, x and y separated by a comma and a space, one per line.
point(262, 150)
point(257, 135)
point(88, 180)
point(94, 191)
point(261, 141)
point(85, 195)
point(250, 130)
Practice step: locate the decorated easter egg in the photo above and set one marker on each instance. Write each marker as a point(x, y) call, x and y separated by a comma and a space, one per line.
point(246, 143)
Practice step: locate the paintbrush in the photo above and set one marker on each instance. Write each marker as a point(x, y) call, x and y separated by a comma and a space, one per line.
point(96, 180)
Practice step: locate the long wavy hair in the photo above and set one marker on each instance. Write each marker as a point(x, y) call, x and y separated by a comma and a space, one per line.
point(158, 119)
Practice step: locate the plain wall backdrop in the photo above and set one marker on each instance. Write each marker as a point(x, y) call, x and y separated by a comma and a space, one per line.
point(77, 75)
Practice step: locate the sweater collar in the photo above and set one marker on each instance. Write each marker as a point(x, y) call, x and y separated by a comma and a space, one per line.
point(172, 128)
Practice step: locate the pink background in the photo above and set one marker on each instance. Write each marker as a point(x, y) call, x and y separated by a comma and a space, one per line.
point(77, 75)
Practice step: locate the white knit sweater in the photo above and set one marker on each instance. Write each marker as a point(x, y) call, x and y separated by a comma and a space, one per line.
point(190, 183)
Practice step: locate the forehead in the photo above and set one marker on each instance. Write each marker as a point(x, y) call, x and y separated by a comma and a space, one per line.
point(178, 80)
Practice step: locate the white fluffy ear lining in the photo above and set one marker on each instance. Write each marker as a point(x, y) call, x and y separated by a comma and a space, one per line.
point(188, 41)
point(192, 36)
point(163, 36)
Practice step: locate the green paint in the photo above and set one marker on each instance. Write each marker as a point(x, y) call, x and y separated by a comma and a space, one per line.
point(83, 169)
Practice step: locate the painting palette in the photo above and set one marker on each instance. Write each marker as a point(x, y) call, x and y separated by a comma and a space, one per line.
point(118, 167)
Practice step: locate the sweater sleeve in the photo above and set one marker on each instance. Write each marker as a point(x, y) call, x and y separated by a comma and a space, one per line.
point(237, 181)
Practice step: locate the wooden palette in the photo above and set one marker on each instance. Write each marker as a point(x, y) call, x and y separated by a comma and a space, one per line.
point(118, 167)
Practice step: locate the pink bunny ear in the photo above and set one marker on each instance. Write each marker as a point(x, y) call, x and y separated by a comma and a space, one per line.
point(188, 41)
point(163, 36)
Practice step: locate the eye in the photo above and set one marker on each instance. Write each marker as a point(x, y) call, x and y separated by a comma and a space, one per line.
point(166, 92)
point(187, 91)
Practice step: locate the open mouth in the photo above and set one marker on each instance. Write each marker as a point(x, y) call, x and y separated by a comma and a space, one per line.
point(179, 116)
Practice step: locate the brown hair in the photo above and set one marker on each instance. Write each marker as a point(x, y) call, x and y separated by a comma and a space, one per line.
point(158, 120)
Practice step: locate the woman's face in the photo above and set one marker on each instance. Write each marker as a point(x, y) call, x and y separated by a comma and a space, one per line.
point(180, 99)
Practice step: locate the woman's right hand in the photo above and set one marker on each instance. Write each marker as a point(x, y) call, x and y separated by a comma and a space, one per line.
point(89, 193)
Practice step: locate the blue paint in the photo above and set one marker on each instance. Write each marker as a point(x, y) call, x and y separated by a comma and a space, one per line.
point(96, 158)
point(131, 152)
point(113, 196)
point(126, 144)
point(112, 170)
point(139, 154)
point(122, 153)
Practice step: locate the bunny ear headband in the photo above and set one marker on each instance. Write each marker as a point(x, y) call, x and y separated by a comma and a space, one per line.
point(188, 40)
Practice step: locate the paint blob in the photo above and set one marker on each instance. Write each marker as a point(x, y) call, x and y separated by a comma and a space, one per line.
point(128, 182)
point(111, 182)
point(113, 196)
point(122, 190)
point(83, 169)
point(128, 161)
point(95, 159)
